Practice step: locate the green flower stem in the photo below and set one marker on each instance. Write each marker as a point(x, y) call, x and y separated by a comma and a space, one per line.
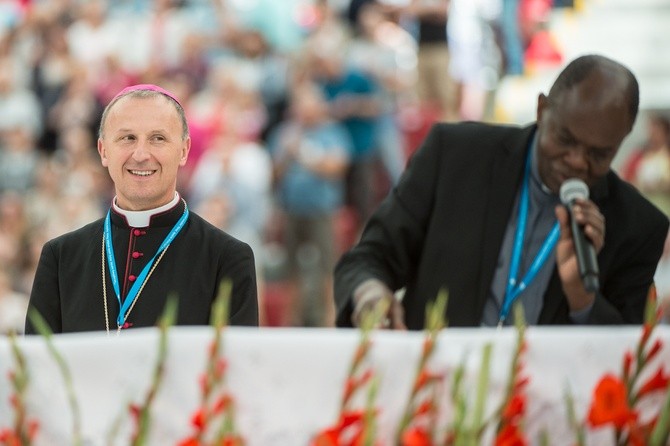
point(482, 388)
point(572, 418)
point(661, 433)
point(43, 329)
point(20, 380)
point(370, 320)
point(370, 427)
point(434, 323)
point(166, 321)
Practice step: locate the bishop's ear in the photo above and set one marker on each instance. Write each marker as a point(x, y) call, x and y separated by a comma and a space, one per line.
point(186, 148)
point(102, 152)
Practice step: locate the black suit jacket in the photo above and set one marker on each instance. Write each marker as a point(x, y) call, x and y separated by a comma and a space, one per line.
point(443, 226)
point(68, 292)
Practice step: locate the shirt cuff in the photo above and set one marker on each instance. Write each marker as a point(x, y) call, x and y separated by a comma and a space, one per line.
point(581, 316)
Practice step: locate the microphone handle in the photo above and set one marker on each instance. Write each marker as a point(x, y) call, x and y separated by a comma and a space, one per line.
point(586, 256)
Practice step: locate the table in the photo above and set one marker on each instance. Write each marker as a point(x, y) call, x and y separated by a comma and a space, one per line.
point(287, 382)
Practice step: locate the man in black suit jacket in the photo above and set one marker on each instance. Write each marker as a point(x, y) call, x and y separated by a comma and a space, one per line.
point(452, 220)
point(119, 271)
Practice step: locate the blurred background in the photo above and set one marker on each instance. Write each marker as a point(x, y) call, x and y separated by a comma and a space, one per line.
point(302, 113)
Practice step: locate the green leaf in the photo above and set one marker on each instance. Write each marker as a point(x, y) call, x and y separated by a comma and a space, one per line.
point(661, 432)
point(43, 329)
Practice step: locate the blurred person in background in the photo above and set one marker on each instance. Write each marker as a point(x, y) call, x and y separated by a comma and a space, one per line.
point(310, 152)
point(14, 228)
point(77, 106)
point(149, 246)
point(19, 105)
point(476, 60)
point(231, 184)
point(385, 51)
point(353, 101)
point(648, 168)
point(19, 159)
point(52, 70)
point(13, 306)
point(93, 37)
point(435, 86)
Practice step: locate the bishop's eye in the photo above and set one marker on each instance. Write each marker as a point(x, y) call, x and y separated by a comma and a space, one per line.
point(599, 156)
point(565, 139)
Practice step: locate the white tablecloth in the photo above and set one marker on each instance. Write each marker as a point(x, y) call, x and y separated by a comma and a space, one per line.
point(287, 383)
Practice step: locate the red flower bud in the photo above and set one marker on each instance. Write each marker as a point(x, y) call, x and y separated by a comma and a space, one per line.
point(415, 436)
point(627, 362)
point(655, 348)
point(659, 381)
point(327, 437)
point(515, 407)
point(222, 403)
point(510, 435)
point(191, 441)
point(199, 419)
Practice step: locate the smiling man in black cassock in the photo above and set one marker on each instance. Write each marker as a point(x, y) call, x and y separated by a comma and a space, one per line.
point(117, 272)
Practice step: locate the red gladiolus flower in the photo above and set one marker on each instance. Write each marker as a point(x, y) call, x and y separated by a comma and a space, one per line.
point(510, 436)
point(191, 441)
point(520, 382)
point(222, 403)
point(655, 348)
point(354, 383)
point(349, 388)
point(361, 351)
point(423, 408)
point(351, 417)
point(221, 365)
point(199, 419)
point(515, 407)
point(211, 349)
point(424, 378)
point(416, 436)
point(233, 440)
point(639, 434)
point(646, 332)
point(204, 384)
point(610, 404)
point(135, 411)
point(328, 437)
point(657, 382)
point(428, 345)
point(627, 363)
point(33, 428)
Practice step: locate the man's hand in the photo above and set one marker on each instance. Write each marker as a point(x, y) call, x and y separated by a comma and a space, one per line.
point(366, 297)
point(589, 217)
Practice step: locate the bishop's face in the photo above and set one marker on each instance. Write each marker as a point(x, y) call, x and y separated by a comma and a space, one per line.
point(581, 131)
point(142, 147)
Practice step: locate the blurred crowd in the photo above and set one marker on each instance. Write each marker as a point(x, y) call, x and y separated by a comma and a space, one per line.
point(293, 145)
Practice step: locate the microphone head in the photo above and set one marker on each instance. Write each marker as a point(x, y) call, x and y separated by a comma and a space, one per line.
point(572, 189)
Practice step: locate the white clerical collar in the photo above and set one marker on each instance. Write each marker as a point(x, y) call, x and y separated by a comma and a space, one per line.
point(141, 219)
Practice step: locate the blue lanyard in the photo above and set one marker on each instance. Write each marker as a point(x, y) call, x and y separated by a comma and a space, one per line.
point(515, 288)
point(111, 262)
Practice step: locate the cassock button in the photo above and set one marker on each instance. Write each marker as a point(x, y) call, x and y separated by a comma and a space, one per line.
point(137, 232)
point(132, 278)
point(136, 255)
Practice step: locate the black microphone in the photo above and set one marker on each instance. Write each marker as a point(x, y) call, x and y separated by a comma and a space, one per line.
point(587, 261)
